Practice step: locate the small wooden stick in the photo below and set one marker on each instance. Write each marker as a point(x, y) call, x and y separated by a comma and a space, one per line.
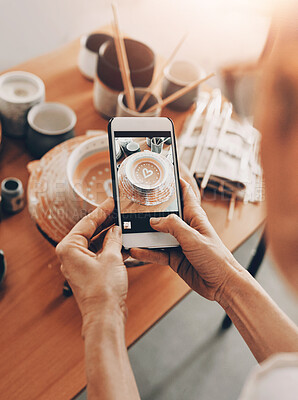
point(232, 207)
point(227, 112)
point(160, 75)
point(179, 93)
point(212, 113)
point(123, 62)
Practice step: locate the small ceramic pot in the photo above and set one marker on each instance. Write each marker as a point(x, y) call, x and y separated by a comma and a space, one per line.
point(124, 111)
point(49, 125)
point(19, 91)
point(12, 194)
point(104, 99)
point(88, 55)
point(176, 76)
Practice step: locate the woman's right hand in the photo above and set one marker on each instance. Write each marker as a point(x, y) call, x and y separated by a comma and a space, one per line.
point(203, 261)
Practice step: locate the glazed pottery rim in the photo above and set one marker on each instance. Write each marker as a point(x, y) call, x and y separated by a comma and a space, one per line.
point(47, 106)
point(85, 37)
point(74, 160)
point(117, 69)
point(36, 80)
point(138, 113)
point(11, 178)
point(179, 82)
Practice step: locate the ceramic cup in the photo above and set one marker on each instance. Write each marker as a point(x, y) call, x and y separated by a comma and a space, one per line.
point(132, 147)
point(156, 145)
point(49, 125)
point(108, 81)
point(88, 55)
point(178, 75)
point(19, 91)
point(124, 111)
point(12, 194)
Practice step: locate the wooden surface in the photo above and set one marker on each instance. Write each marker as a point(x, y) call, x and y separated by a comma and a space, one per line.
point(40, 342)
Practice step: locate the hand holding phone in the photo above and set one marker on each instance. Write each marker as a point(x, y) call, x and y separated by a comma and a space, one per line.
point(145, 178)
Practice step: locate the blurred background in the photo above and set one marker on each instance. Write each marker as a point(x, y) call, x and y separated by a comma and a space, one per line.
point(220, 32)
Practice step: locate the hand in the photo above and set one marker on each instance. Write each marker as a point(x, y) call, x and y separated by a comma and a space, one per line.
point(203, 261)
point(98, 280)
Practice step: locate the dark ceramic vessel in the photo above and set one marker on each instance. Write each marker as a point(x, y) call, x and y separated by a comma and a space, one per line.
point(141, 60)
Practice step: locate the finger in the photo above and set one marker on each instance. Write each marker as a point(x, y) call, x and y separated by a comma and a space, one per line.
point(189, 196)
point(188, 178)
point(125, 254)
point(110, 221)
point(82, 232)
point(153, 256)
point(112, 244)
point(193, 214)
point(96, 242)
point(175, 226)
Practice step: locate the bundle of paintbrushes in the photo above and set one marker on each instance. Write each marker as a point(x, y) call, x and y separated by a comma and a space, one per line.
point(221, 152)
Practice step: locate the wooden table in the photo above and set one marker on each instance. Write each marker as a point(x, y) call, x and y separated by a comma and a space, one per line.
point(41, 347)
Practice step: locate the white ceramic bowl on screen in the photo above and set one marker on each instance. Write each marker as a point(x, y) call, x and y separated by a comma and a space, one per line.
point(83, 151)
point(157, 161)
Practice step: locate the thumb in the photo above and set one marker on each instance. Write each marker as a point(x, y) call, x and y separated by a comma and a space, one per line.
point(113, 241)
point(175, 226)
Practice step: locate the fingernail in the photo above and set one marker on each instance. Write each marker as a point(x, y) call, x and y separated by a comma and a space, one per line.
point(154, 221)
point(116, 230)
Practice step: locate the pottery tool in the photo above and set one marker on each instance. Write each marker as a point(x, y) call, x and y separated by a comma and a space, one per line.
point(232, 207)
point(226, 116)
point(201, 105)
point(180, 93)
point(123, 62)
point(160, 75)
point(212, 113)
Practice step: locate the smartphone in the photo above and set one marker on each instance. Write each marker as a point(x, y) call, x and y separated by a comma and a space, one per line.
point(145, 178)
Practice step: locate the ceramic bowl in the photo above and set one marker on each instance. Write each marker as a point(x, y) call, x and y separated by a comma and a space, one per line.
point(88, 55)
point(141, 61)
point(49, 125)
point(89, 148)
point(108, 80)
point(139, 167)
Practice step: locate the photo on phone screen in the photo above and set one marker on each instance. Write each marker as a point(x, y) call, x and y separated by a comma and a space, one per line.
point(147, 178)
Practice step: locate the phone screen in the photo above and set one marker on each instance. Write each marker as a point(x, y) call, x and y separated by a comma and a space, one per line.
point(147, 178)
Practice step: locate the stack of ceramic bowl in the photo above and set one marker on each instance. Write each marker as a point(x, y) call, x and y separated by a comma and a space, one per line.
point(147, 178)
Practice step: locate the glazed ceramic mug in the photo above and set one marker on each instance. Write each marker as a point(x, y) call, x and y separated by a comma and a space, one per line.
point(49, 125)
point(88, 55)
point(108, 81)
point(178, 75)
point(19, 91)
